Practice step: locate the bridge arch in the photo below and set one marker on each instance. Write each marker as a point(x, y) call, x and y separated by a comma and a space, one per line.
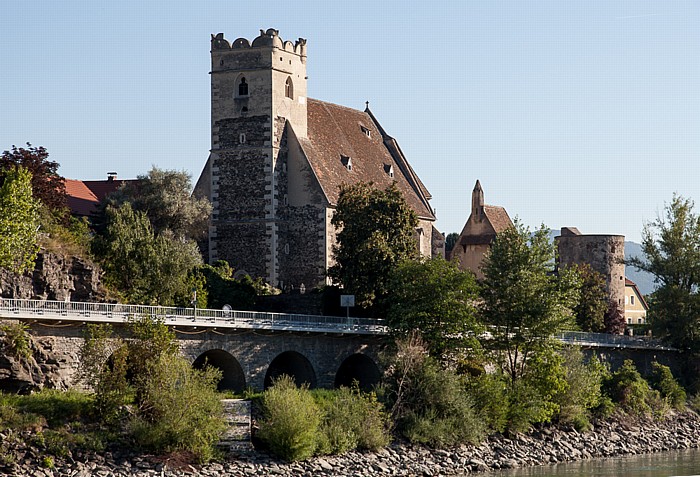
point(358, 367)
point(293, 364)
point(233, 377)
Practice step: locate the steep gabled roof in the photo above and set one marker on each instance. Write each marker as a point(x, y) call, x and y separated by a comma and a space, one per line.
point(85, 196)
point(631, 284)
point(498, 218)
point(336, 133)
point(81, 200)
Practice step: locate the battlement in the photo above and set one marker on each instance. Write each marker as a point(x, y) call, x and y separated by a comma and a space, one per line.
point(266, 39)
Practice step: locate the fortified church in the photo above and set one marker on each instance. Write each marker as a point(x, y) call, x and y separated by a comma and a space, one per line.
point(278, 158)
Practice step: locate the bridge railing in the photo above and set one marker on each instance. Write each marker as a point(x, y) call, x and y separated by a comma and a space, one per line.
point(117, 312)
point(610, 340)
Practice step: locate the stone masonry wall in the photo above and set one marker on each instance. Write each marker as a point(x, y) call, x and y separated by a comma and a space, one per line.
point(58, 351)
point(605, 255)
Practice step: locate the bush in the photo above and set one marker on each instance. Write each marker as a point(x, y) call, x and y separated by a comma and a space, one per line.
point(352, 420)
point(291, 420)
point(627, 388)
point(58, 407)
point(584, 391)
point(16, 340)
point(490, 394)
point(180, 408)
point(175, 406)
point(694, 403)
point(663, 381)
point(429, 404)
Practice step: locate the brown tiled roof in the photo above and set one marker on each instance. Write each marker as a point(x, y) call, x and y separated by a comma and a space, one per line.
point(335, 131)
point(498, 217)
point(81, 200)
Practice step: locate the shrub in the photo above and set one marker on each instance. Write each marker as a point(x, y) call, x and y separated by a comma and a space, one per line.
point(58, 407)
point(16, 340)
point(584, 392)
point(694, 403)
point(627, 387)
point(663, 381)
point(352, 420)
point(291, 420)
point(180, 408)
point(429, 404)
point(490, 394)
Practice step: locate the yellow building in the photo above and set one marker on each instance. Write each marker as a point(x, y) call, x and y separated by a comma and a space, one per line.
point(636, 306)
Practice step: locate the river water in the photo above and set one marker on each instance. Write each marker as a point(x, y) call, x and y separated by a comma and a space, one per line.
point(664, 464)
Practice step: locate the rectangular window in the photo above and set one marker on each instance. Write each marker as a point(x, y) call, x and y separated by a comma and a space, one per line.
point(632, 300)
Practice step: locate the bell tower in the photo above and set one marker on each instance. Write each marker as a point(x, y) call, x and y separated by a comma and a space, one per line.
point(257, 89)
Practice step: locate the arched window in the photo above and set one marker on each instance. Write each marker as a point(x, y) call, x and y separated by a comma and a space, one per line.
point(243, 88)
point(289, 88)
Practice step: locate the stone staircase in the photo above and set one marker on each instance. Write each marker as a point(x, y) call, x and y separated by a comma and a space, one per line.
point(236, 438)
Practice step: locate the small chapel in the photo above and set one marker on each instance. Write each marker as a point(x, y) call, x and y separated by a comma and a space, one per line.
point(484, 222)
point(277, 160)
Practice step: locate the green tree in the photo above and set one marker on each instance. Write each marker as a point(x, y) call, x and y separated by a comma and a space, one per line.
point(165, 197)
point(175, 407)
point(376, 231)
point(671, 248)
point(451, 241)
point(146, 268)
point(429, 404)
point(524, 301)
point(19, 221)
point(47, 185)
point(593, 303)
point(435, 298)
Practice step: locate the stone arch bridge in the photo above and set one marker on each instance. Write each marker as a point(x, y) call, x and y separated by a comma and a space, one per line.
point(252, 348)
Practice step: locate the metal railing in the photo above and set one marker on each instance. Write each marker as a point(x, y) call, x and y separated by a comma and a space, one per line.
point(606, 340)
point(199, 317)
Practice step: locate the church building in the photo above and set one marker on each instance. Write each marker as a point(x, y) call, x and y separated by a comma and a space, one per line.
point(278, 158)
point(484, 222)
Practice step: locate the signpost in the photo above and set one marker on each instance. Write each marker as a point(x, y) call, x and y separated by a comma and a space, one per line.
point(347, 301)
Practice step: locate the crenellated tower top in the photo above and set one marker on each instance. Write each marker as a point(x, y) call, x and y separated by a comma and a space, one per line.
point(267, 38)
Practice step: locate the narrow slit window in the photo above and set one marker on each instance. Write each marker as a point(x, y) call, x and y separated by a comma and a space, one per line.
point(289, 88)
point(241, 138)
point(243, 88)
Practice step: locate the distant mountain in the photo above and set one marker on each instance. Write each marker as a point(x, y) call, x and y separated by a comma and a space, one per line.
point(644, 280)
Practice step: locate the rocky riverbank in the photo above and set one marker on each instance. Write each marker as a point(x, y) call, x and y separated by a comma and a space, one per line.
point(616, 437)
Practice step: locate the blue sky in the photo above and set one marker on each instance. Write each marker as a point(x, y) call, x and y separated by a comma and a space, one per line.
point(571, 113)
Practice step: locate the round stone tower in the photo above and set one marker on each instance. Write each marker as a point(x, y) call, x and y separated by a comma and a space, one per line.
point(604, 253)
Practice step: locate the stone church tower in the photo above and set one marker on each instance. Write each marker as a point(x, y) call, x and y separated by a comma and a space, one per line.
point(255, 88)
point(277, 161)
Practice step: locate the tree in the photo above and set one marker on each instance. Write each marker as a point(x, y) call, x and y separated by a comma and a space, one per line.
point(435, 298)
point(376, 231)
point(451, 241)
point(165, 197)
point(593, 303)
point(524, 301)
point(146, 268)
point(671, 248)
point(47, 185)
point(614, 319)
point(19, 221)
point(175, 407)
